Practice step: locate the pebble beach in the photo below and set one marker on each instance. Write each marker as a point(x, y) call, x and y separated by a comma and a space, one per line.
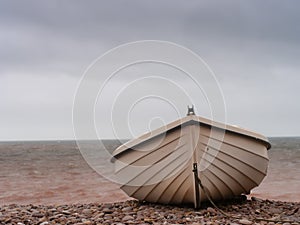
point(254, 211)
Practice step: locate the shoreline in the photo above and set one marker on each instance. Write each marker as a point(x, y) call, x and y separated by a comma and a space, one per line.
point(56, 172)
point(253, 211)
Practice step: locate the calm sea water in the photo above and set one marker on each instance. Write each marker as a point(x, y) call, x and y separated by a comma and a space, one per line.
point(283, 179)
point(55, 172)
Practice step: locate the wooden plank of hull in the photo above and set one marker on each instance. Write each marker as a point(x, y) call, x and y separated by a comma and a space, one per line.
point(159, 169)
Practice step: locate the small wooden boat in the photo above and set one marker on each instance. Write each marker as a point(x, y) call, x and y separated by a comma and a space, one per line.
point(163, 166)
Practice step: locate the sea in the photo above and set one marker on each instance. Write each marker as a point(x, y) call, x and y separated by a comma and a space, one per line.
point(59, 172)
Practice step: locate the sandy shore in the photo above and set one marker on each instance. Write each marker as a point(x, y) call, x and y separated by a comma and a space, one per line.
point(254, 211)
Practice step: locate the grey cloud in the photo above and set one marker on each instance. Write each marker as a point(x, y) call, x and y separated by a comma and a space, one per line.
point(55, 31)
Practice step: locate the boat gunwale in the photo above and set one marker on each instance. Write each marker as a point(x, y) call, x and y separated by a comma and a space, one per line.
point(188, 120)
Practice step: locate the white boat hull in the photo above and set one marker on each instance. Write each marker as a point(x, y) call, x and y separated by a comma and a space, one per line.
point(158, 167)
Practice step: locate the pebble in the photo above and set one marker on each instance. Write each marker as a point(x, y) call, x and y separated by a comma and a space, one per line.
point(245, 222)
point(107, 210)
point(87, 211)
point(66, 212)
point(127, 209)
point(211, 210)
point(44, 223)
point(126, 218)
point(275, 210)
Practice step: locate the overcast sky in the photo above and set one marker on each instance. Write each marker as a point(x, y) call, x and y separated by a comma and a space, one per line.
point(253, 47)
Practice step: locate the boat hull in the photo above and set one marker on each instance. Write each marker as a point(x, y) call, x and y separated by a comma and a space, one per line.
point(159, 168)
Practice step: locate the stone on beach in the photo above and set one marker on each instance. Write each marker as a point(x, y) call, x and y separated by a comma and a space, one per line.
point(245, 222)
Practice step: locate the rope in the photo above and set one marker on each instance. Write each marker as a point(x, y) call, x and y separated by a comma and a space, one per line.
point(210, 200)
point(237, 217)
